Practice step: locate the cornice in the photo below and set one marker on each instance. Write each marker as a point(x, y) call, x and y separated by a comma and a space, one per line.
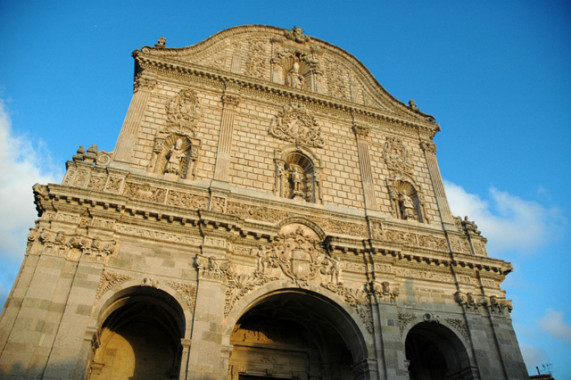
point(146, 61)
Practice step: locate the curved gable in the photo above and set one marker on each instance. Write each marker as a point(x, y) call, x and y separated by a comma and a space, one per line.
point(291, 59)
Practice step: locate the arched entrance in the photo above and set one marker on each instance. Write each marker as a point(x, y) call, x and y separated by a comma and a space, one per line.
point(294, 334)
point(140, 337)
point(435, 353)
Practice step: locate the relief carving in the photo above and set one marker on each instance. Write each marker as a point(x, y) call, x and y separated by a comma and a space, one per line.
point(75, 246)
point(158, 235)
point(187, 200)
point(404, 319)
point(460, 327)
point(145, 191)
point(397, 156)
point(183, 112)
point(109, 280)
point(295, 124)
point(256, 63)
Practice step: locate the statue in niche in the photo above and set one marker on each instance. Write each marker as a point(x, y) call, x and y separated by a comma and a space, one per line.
point(296, 179)
point(294, 78)
point(175, 157)
point(407, 206)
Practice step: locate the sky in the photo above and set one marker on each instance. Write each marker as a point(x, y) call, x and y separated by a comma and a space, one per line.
point(496, 75)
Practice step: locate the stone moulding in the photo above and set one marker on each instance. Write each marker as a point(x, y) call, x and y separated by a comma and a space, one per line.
point(189, 70)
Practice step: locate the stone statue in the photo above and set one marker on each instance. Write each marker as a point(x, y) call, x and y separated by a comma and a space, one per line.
point(297, 182)
point(407, 206)
point(175, 156)
point(294, 78)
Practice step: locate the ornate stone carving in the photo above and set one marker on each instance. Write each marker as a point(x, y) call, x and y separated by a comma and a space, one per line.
point(145, 191)
point(296, 34)
point(256, 63)
point(262, 213)
point(187, 200)
point(460, 327)
point(109, 280)
point(428, 146)
point(404, 319)
point(218, 204)
point(397, 156)
point(158, 235)
point(183, 112)
point(210, 268)
point(75, 246)
point(238, 285)
point(114, 184)
point(336, 79)
point(358, 299)
point(96, 182)
point(299, 256)
point(295, 124)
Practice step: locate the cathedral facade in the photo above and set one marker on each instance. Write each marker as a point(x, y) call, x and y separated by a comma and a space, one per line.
point(269, 212)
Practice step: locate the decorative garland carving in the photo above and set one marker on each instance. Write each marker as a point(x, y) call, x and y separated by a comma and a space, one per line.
point(295, 124)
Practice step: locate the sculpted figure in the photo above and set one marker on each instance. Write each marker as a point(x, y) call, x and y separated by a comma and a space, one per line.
point(407, 206)
point(294, 78)
point(175, 156)
point(297, 182)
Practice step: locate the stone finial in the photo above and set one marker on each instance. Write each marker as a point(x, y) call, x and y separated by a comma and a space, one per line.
point(296, 34)
point(161, 43)
point(412, 104)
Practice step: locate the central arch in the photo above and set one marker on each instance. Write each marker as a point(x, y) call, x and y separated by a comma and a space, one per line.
point(295, 334)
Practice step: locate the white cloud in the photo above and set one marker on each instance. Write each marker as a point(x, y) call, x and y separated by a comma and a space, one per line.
point(22, 164)
point(533, 357)
point(553, 323)
point(509, 222)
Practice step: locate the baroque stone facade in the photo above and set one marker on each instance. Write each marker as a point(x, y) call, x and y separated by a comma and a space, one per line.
point(269, 211)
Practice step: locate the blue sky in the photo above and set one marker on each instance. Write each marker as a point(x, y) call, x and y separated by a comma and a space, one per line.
point(496, 75)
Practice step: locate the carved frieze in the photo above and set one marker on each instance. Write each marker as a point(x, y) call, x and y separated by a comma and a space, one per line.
point(211, 268)
point(183, 112)
point(76, 246)
point(474, 302)
point(187, 200)
point(114, 184)
point(262, 213)
point(145, 192)
point(158, 235)
point(294, 123)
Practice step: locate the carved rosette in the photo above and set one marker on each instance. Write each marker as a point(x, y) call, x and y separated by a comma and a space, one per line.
point(397, 156)
point(183, 112)
point(295, 124)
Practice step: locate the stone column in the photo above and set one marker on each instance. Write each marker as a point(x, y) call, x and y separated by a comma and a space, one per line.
point(430, 154)
point(361, 133)
point(128, 135)
point(230, 102)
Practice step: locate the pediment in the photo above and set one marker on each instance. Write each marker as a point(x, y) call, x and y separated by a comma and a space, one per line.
point(290, 59)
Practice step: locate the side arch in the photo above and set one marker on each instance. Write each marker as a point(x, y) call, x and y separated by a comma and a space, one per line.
point(435, 351)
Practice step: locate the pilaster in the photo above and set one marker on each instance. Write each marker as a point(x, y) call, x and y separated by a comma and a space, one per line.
point(230, 101)
point(361, 133)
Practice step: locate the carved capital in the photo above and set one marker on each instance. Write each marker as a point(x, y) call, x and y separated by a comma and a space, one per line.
point(428, 146)
point(143, 83)
point(230, 100)
point(361, 131)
